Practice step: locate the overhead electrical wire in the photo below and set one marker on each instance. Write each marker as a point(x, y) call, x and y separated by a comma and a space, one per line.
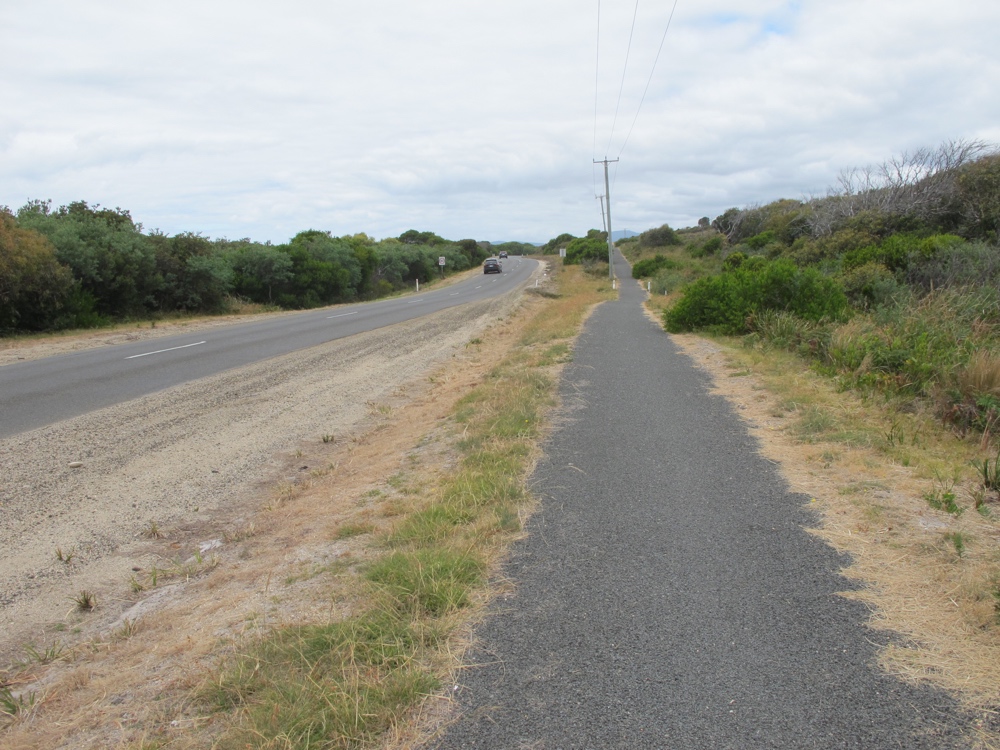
point(650, 79)
point(597, 79)
point(621, 88)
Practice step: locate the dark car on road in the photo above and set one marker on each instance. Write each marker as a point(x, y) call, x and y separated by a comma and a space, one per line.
point(492, 265)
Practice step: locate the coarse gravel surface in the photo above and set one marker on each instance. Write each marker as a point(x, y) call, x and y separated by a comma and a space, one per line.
point(668, 593)
point(192, 459)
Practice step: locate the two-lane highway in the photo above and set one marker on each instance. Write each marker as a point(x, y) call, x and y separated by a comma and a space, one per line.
point(40, 392)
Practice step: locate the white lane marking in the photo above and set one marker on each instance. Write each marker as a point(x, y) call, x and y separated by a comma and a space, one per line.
point(454, 294)
point(160, 351)
point(342, 315)
point(479, 287)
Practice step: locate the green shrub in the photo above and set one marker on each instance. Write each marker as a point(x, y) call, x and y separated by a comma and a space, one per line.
point(900, 251)
point(806, 251)
point(760, 241)
point(733, 261)
point(659, 237)
point(712, 246)
point(727, 301)
point(955, 264)
point(920, 348)
point(872, 285)
point(882, 224)
point(586, 248)
point(979, 190)
point(649, 266)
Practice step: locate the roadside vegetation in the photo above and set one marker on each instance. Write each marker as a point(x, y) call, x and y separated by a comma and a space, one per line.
point(872, 318)
point(342, 684)
point(81, 266)
point(891, 283)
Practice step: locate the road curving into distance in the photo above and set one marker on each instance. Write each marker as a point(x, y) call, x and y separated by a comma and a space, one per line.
point(40, 392)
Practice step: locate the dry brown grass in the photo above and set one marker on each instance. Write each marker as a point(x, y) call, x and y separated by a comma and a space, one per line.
point(870, 470)
point(981, 377)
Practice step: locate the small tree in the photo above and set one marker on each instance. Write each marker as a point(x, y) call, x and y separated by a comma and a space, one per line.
point(586, 249)
point(34, 287)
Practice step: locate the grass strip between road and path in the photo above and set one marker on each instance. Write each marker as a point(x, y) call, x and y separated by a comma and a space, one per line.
point(345, 684)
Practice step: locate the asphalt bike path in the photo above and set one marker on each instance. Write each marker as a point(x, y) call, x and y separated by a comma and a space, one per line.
point(667, 594)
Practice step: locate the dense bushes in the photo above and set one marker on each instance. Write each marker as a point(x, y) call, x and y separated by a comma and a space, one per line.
point(919, 347)
point(891, 281)
point(82, 265)
point(728, 301)
point(587, 249)
point(34, 287)
point(659, 237)
point(650, 266)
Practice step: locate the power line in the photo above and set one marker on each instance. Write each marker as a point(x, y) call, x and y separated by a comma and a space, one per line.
point(650, 79)
point(597, 80)
point(621, 88)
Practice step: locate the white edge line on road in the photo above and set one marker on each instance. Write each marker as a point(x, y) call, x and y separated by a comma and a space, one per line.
point(342, 315)
point(160, 351)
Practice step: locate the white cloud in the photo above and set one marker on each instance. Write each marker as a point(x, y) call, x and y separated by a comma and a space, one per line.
point(259, 119)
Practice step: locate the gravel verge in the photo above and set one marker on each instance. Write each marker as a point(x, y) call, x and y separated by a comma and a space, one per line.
point(198, 457)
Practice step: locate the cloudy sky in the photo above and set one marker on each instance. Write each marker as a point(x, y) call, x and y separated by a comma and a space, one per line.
point(469, 119)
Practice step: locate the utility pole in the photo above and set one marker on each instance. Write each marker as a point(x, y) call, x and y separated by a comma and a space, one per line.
point(604, 219)
point(607, 195)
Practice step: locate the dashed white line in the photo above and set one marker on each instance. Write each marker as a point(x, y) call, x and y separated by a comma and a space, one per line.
point(161, 351)
point(342, 315)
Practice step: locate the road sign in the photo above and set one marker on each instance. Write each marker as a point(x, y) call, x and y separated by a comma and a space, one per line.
point(441, 261)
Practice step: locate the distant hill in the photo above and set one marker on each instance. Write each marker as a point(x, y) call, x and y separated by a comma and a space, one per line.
point(620, 234)
point(504, 242)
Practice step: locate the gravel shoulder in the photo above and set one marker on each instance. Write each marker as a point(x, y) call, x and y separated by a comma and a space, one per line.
point(193, 464)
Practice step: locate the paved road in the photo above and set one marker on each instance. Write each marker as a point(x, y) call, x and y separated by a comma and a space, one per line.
point(40, 392)
point(667, 595)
